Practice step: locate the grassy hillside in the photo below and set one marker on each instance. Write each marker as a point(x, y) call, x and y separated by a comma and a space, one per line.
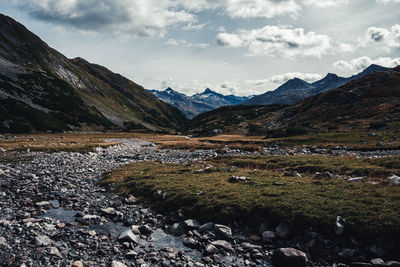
point(52, 92)
point(233, 120)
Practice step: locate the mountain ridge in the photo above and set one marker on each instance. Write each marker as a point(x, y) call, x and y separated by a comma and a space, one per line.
point(295, 90)
point(52, 92)
point(197, 103)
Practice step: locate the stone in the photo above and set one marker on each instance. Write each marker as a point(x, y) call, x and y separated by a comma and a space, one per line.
point(393, 264)
point(55, 252)
point(190, 242)
point(43, 204)
point(145, 229)
point(128, 236)
point(206, 226)
point(177, 229)
point(237, 179)
point(356, 179)
point(3, 241)
point(268, 236)
point(223, 244)
point(339, 225)
point(118, 264)
point(289, 257)
point(282, 230)
point(394, 179)
point(210, 250)
point(77, 264)
point(377, 262)
point(224, 231)
point(42, 241)
point(347, 253)
point(131, 200)
point(191, 224)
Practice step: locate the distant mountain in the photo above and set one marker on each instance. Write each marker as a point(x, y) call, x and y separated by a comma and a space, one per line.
point(42, 90)
point(197, 103)
point(296, 89)
point(368, 102)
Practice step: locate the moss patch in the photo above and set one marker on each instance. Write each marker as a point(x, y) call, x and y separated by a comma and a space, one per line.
point(371, 210)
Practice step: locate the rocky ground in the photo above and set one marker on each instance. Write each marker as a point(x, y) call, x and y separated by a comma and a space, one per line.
point(54, 213)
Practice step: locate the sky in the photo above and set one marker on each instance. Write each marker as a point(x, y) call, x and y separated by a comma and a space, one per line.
point(241, 47)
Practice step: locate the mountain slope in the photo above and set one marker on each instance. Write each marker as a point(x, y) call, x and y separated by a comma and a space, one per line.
point(236, 119)
point(52, 92)
point(296, 90)
point(197, 103)
point(372, 99)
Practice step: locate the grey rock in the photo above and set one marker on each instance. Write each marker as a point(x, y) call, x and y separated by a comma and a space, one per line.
point(129, 236)
point(190, 242)
point(282, 230)
point(394, 179)
point(118, 264)
point(42, 241)
point(206, 226)
point(145, 229)
point(268, 236)
point(210, 250)
point(224, 231)
point(378, 262)
point(347, 253)
point(223, 244)
point(191, 224)
point(3, 241)
point(55, 252)
point(289, 257)
point(393, 264)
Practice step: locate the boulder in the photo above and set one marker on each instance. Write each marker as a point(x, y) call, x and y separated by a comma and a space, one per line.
point(282, 230)
point(210, 250)
point(394, 179)
point(118, 264)
point(42, 241)
point(223, 244)
point(191, 224)
point(224, 231)
point(289, 257)
point(128, 236)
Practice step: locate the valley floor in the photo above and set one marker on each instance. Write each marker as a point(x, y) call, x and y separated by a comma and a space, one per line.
point(54, 212)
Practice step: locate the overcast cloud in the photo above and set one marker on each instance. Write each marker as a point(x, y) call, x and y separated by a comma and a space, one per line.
point(232, 46)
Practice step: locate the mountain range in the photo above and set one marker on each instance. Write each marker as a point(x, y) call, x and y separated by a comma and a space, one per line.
point(296, 89)
point(372, 101)
point(42, 90)
point(197, 103)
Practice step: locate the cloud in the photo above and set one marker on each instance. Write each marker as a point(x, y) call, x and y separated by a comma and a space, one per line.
point(389, 38)
point(229, 88)
point(133, 17)
point(345, 47)
point(359, 64)
point(147, 17)
point(246, 8)
point(169, 82)
point(184, 43)
point(325, 3)
point(191, 26)
point(260, 8)
point(387, 1)
point(274, 40)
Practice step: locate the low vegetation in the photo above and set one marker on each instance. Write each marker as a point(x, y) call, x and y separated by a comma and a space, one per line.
point(371, 208)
